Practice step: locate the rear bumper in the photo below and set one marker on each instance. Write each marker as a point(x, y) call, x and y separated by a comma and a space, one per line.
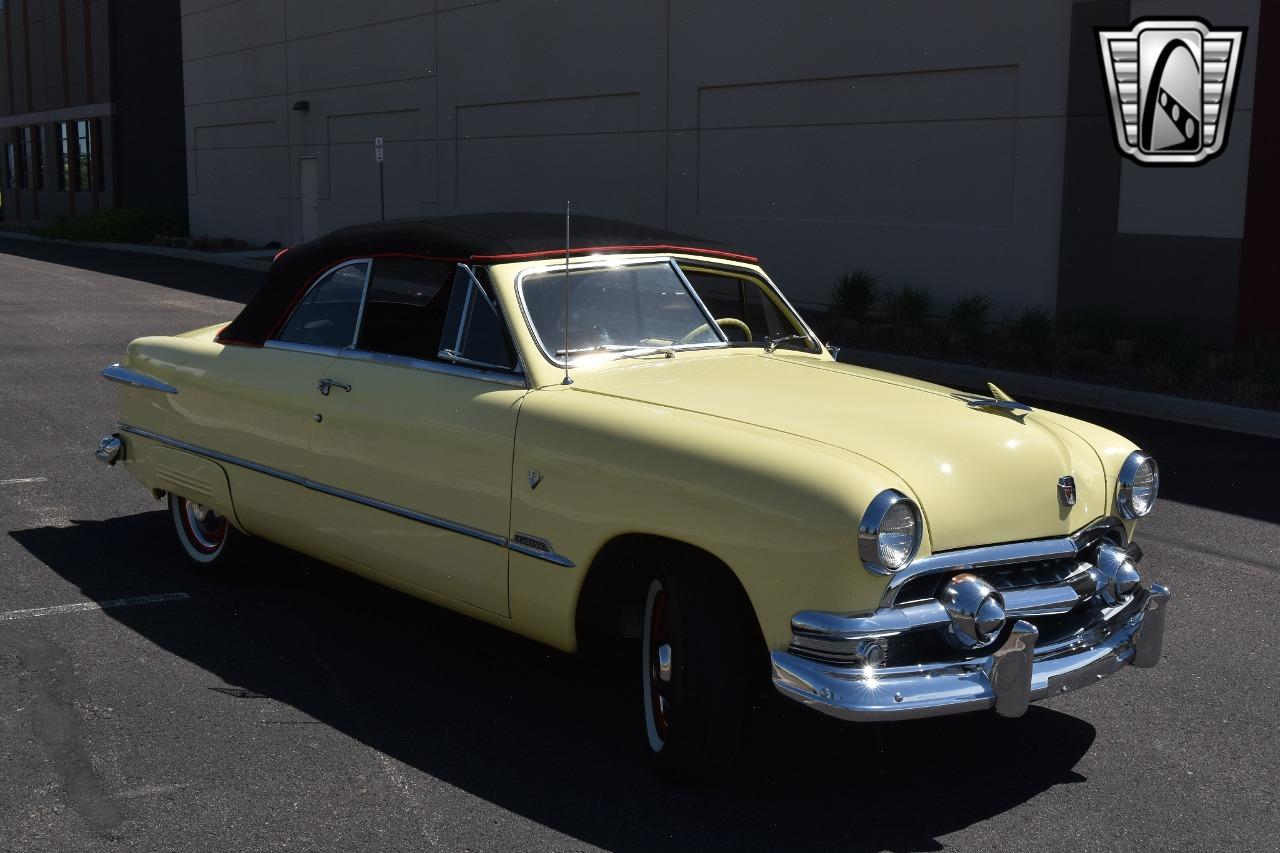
point(1008, 679)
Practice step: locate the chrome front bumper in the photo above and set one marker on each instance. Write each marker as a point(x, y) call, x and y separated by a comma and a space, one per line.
point(1006, 680)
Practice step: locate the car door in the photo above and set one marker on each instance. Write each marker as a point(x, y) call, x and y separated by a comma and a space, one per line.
point(413, 453)
point(262, 405)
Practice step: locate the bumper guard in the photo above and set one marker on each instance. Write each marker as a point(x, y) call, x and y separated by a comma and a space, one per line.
point(1006, 680)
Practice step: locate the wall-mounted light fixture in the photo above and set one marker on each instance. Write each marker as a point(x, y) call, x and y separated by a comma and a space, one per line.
point(302, 106)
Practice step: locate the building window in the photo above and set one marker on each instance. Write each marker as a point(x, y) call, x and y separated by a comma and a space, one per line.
point(27, 154)
point(64, 155)
point(10, 166)
point(84, 140)
point(37, 157)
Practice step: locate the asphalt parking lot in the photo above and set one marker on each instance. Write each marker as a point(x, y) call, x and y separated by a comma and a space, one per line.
point(304, 708)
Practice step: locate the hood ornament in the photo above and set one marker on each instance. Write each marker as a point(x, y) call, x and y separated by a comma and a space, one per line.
point(999, 403)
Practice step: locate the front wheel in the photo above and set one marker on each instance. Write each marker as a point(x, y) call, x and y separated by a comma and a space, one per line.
point(693, 676)
point(207, 538)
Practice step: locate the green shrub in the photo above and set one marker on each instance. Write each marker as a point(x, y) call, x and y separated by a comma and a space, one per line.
point(1168, 347)
point(853, 294)
point(905, 307)
point(968, 315)
point(1029, 334)
point(117, 225)
point(1257, 360)
point(1095, 330)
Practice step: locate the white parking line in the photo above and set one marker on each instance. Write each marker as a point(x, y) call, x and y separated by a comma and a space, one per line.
point(33, 612)
point(16, 480)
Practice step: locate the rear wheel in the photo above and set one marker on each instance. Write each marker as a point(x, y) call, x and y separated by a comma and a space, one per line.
point(693, 675)
point(206, 537)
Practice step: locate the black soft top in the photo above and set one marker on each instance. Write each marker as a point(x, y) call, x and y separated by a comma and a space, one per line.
point(468, 238)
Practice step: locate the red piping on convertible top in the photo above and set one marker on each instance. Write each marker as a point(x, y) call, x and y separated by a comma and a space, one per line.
point(549, 253)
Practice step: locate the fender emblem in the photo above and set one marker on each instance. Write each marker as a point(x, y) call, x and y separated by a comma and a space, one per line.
point(1067, 491)
point(534, 479)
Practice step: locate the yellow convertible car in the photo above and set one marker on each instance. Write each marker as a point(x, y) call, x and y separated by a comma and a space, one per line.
point(632, 440)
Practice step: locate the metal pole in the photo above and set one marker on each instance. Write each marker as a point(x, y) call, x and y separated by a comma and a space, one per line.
point(567, 380)
point(382, 202)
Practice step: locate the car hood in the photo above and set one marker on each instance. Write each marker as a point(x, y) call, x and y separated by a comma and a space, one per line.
point(980, 477)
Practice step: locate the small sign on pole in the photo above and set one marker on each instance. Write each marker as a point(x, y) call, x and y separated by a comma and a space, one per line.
point(382, 197)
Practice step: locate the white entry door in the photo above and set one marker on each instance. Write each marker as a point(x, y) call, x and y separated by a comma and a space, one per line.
point(309, 193)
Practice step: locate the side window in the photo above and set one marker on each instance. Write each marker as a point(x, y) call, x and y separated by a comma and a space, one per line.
point(404, 313)
point(474, 334)
point(737, 298)
point(326, 317)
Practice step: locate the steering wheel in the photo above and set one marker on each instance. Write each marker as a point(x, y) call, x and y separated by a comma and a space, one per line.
point(722, 322)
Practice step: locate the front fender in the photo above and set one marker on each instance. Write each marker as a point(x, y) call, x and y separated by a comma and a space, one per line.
point(780, 511)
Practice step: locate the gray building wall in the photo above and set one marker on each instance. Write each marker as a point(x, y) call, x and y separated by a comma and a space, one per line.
point(924, 141)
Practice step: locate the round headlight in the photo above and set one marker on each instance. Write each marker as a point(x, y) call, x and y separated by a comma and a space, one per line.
point(1139, 484)
point(889, 533)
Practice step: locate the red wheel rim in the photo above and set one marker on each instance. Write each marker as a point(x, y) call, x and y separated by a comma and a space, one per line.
point(206, 534)
point(659, 702)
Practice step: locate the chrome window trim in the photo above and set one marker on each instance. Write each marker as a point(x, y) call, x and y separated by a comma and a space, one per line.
point(364, 298)
point(597, 262)
point(374, 503)
point(306, 348)
point(998, 555)
point(454, 355)
point(796, 315)
point(769, 284)
point(364, 291)
point(712, 325)
point(125, 376)
point(499, 376)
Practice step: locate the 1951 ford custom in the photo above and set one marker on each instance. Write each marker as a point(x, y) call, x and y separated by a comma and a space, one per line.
point(634, 438)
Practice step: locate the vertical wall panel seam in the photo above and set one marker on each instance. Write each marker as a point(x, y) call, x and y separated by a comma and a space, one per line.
point(666, 134)
point(88, 51)
point(26, 51)
point(8, 58)
point(62, 42)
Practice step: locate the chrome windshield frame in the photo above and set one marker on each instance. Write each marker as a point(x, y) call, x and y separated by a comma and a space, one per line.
point(606, 263)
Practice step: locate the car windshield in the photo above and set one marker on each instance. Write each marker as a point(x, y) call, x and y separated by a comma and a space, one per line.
point(615, 309)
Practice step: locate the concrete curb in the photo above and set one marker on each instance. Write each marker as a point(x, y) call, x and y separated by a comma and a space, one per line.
point(226, 259)
point(1162, 406)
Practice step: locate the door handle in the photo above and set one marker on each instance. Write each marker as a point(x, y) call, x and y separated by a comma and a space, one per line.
point(325, 384)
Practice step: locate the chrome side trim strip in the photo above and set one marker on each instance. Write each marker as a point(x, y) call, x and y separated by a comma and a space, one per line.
point(125, 376)
point(404, 512)
point(215, 455)
point(550, 557)
point(374, 503)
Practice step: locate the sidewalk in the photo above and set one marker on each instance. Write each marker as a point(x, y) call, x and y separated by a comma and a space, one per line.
point(252, 259)
point(1018, 385)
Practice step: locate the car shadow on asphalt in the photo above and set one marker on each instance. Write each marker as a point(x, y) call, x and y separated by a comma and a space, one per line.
point(538, 733)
